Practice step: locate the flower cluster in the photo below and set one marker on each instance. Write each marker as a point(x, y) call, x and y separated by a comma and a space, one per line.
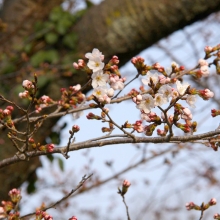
point(5, 116)
point(8, 208)
point(71, 97)
point(43, 102)
point(104, 75)
point(30, 89)
point(162, 92)
point(43, 215)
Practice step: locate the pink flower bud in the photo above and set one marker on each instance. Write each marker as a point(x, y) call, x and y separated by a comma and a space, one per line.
point(49, 148)
point(190, 206)
point(75, 128)
point(203, 62)
point(15, 195)
point(73, 218)
point(208, 49)
point(110, 92)
point(126, 184)
point(27, 84)
point(75, 65)
point(213, 201)
point(216, 216)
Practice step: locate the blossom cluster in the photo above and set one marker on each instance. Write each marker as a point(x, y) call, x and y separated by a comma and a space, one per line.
point(105, 78)
point(162, 92)
point(5, 116)
point(8, 208)
point(165, 88)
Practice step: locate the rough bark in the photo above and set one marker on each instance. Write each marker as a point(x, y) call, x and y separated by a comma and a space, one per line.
point(126, 27)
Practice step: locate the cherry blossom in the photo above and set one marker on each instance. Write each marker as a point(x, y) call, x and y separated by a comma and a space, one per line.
point(152, 76)
point(166, 90)
point(181, 88)
point(95, 54)
point(190, 99)
point(100, 91)
point(159, 99)
point(116, 82)
point(146, 104)
point(99, 79)
point(95, 64)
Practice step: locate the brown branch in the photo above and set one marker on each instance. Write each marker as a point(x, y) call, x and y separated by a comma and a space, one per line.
point(101, 143)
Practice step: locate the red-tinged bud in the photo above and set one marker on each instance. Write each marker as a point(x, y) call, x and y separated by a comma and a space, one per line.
point(182, 68)
point(114, 61)
point(184, 127)
point(205, 94)
point(73, 218)
point(15, 195)
point(213, 201)
point(208, 49)
point(6, 112)
point(46, 148)
point(216, 216)
point(126, 184)
point(92, 116)
point(133, 93)
point(190, 206)
point(138, 126)
point(50, 148)
point(31, 140)
point(215, 112)
point(93, 105)
point(10, 108)
point(75, 128)
point(161, 133)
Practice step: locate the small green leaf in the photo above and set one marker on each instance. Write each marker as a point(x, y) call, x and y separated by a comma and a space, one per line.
point(50, 157)
point(51, 38)
point(61, 164)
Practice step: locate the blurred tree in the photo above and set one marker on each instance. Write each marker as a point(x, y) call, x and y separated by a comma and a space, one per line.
point(38, 36)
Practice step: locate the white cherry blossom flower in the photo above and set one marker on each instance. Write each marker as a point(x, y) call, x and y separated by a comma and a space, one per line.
point(181, 88)
point(190, 99)
point(146, 104)
point(166, 90)
point(99, 79)
point(95, 54)
point(100, 91)
point(159, 99)
point(153, 76)
point(95, 64)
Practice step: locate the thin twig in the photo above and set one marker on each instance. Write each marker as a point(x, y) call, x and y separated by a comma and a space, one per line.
point(84, 178)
